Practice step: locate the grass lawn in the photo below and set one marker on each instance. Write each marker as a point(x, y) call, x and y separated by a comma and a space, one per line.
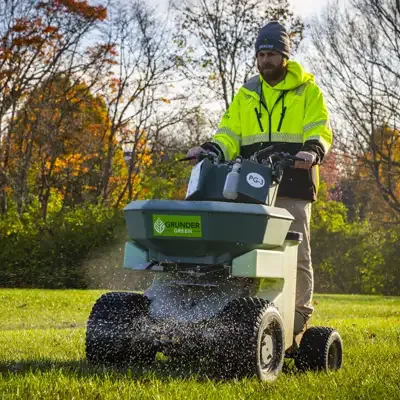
point(42, 355)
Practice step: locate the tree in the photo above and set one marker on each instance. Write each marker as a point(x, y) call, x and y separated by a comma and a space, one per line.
point(137, 93)
point(331, 174)
point(38, 39)
point(167, 178)
point(59, 142)
point(219, 38)
point(362, 197)
point(356, 55)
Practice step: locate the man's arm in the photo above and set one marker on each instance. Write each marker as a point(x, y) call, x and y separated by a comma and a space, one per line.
point(317, 135)
point(227, 139)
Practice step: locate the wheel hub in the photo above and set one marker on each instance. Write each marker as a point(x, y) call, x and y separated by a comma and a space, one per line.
point(267, 350)
point(333, 359)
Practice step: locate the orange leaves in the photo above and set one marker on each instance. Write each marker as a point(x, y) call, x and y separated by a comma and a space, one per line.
point(21, 25)
point(165, 100)
point(95, 129)
point(115, 84)
point(28, 41)
point(83, 8)
point(78, 7)
point(29, 33)
point(43, 30)
point(50, 29)
point(110, 49)
point(104, 52)
point(5, 54)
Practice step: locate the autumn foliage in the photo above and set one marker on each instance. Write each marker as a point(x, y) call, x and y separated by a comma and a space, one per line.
point(59, 141)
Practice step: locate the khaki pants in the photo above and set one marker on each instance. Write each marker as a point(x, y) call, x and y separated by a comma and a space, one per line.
point(301, 211)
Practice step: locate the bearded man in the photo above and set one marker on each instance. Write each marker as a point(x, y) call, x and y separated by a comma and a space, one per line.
point(283, 106)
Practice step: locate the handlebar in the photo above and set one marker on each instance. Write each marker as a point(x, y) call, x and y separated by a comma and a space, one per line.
point(206, 154)
point(282, 158)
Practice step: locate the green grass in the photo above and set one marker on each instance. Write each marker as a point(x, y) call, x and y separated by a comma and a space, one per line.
point(42, 355)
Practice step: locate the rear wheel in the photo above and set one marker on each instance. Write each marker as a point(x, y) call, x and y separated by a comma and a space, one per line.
point(321, 348)
point(112, 329)
point(252, 342)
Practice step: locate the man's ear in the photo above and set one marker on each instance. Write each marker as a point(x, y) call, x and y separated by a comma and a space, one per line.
point(284, 62)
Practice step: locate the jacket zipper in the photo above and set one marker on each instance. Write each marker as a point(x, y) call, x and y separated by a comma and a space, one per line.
point(259, 115)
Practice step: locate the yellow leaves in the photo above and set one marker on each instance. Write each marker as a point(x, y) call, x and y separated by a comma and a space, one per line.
point(165, 100)
point(74, 164)
point(89, 188)
point(60, 164)
point(142, 141)
point(145, 159)
point(388, 129)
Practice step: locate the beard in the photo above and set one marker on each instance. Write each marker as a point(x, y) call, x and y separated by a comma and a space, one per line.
point(271, 72)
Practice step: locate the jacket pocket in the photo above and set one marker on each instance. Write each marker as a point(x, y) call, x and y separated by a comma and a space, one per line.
point(299, 184)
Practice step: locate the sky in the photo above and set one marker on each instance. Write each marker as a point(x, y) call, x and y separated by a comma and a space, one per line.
point(304, 8)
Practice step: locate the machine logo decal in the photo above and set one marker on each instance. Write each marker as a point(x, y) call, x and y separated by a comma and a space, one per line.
point(159, 226)
point(255, 180)
point(177, 225)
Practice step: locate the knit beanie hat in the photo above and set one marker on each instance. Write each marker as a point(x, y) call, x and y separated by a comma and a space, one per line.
point(273, 36)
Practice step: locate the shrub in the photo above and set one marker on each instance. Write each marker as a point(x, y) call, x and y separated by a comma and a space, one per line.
point(49, 255)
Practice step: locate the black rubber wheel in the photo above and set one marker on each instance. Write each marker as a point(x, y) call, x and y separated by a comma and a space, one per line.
point(321, 348)
point(252, 340)
point(113, 322)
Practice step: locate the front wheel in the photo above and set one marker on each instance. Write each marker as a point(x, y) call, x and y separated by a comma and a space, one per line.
point(321, 348)
point(253, 339)
point(113, 323)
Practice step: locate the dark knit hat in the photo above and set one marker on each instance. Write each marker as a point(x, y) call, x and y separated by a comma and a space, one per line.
point(273, 36)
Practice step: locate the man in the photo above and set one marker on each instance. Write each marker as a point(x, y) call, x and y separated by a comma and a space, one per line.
point(282, 105)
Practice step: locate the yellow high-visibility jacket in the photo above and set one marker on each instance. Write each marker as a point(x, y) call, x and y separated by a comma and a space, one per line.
point(292, 113)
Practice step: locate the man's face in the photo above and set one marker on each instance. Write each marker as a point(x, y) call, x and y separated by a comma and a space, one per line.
point(271, 64)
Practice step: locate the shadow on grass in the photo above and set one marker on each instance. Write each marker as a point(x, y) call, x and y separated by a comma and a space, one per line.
point(163, 369)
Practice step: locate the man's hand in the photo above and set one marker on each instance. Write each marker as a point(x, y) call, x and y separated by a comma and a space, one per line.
point(195, 152)
point(308, 162)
